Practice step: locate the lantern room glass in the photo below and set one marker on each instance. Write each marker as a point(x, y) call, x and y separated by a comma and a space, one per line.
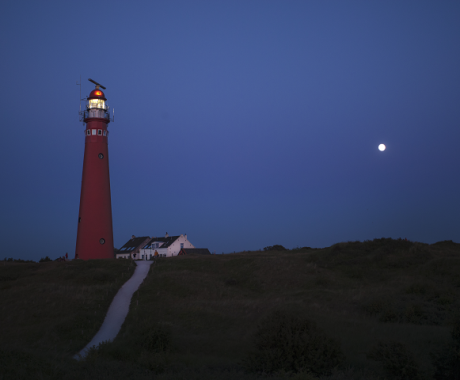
point(96, 103)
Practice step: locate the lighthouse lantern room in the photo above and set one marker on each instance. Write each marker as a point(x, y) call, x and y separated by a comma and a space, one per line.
point(95, 231)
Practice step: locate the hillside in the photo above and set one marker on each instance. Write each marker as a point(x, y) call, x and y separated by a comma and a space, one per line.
point(196, 316)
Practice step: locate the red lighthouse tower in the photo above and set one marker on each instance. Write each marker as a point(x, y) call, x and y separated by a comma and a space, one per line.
point(95, 232)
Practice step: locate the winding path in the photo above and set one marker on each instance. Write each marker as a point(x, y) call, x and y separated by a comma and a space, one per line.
point(118, 309)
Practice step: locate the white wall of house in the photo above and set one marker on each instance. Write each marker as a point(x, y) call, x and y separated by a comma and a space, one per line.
point(150, 253)
point(172, 250)
point(129, 255)
point(181, 242)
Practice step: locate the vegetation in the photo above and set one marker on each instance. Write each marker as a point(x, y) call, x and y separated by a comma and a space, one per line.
point(55, 308)
point(275, 247)
point(288, 343)
point(446, 360)
point(10, 259)
point(207, 317)
point(398, 362)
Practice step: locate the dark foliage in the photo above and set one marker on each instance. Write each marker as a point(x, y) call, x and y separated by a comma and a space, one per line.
point(446, 243)
point(275, 247)
point(285, 342)
point(447, 360)
point(10, 259)
point(150, 352)
point(157, 339)
point(398, 362)
point(21, 365)
point(44, 259)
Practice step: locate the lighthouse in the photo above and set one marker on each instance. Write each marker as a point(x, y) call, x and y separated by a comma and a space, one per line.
point(95, 231)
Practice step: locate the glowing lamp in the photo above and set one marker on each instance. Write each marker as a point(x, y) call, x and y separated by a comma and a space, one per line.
point(96, 103)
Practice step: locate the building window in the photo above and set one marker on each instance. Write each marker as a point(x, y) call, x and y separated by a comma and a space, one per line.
point(93, 132)
point(100, 155)
point(102, 241)
point(88, 132)
point(181, 245)
point(99, 132)
point(105, 133)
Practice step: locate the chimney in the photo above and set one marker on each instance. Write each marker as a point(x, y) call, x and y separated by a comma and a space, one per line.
point(132, 237)
point(185, 235)
point(166, 235)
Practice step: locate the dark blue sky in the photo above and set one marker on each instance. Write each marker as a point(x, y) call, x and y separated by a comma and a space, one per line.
point(241, 123)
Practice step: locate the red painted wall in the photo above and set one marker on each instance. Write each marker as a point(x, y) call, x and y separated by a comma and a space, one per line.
point(95, 216)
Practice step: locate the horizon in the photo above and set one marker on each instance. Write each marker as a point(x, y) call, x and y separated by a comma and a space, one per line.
point(243, 124)
point(50, 259)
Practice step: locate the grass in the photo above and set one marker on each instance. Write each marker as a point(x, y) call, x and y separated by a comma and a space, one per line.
point(56, 307)
point(359, 293)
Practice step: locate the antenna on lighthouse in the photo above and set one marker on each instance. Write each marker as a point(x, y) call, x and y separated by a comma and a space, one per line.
point(97, 84)
point(79, 84)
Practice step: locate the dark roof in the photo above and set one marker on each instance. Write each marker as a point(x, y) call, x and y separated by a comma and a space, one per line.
point(167, 241)
point(133, 243)
point(194, 251)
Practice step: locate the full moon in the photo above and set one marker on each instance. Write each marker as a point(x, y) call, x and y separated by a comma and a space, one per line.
point(382, 147)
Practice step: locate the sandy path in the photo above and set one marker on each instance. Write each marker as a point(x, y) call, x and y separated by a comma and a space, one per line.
point(119, 308)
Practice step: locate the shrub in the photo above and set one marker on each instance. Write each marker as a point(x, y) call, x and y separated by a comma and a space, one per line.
point(43, 259)
point(285, 342)
point(275, 247)
point(20, 365)
point(96, 352)
point(10, 259)
point(110, 351)
point(157, 339)
point(398, 362)
point(157, 362)
point(446, 363)
point(447, 360)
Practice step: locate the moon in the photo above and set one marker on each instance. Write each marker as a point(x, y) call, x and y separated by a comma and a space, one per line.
point(382, 147)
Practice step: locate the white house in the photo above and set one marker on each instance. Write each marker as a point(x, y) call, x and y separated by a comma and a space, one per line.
point(164, 246)
point(132, 247)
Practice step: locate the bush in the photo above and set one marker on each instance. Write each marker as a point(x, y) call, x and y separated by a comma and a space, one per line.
point(10, 259)
point(95, 353)
point(398, 362)
point(20, 365)
point(157, 339)
point(43, 259)
point(275, 247)
point(447, 361)
point(157, 362)
point(287, 343)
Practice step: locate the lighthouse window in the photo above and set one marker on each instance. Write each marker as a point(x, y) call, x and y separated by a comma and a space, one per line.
point(88, 132)
point(99, 132)
point(97, 103)
point(102, 241)
point(100, 155)
point(93, 132)
point(105, 133)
